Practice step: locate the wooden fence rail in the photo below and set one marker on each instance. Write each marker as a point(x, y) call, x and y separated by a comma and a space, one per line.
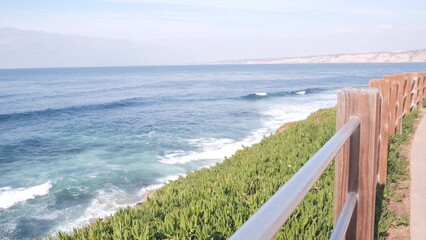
point(365, 120)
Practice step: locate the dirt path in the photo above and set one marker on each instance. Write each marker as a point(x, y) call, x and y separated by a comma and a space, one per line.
point(418, 182)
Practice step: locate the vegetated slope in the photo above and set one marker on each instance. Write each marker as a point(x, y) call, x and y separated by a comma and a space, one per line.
point(212, 203)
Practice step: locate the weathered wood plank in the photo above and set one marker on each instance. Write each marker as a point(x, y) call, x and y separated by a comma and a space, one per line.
point(392, 103)
point(406, 99)
point(423, 85)
point(400, 110)
point(357, 162)
point(411, 88)
point(417, 96)
point(384, 88)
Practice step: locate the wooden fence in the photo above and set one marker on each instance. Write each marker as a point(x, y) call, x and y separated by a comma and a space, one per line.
point(362, 161)
point(400, 94)
point(365, 120)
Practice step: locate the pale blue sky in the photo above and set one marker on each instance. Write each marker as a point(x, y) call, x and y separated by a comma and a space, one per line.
point(194, 31)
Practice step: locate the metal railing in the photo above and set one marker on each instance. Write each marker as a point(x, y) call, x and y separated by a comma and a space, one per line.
point(267, 221)
point(342, 223)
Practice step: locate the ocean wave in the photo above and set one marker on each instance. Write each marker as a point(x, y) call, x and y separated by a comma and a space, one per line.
point(150, 188)
point(208, 149)
point(11, 196)
point(8, 95)
point(216, 149)
point(256, 95)
point(288, 112)
point(108, 200)
point(262, 95)
point(169, 178)
point(213, 149)
point(160, 183)
point(52, 112)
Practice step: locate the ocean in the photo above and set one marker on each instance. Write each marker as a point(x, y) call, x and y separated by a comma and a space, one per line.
point(79, 143)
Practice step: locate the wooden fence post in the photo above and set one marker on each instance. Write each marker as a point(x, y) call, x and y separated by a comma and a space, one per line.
point(384, 88)
point(415, 81)
point(400, 98)
point(392, 103)
point(412, 82)
point(417, 93)
point(423, 79)
point(356, 162)
point(406, 99)
point(423, 87)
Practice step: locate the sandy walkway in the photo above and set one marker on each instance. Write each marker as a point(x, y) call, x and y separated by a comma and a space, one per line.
point(418, 182)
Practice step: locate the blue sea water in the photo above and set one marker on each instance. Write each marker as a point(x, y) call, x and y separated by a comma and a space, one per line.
point(79, 143)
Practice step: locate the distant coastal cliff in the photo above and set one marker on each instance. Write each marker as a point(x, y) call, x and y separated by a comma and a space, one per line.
point(378, 57)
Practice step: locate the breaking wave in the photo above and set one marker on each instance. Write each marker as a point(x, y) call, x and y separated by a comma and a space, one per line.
point(11, 196)
point(50, 112)
point(262, 95)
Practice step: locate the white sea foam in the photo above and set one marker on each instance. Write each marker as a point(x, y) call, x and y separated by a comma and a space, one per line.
point(150, 188)
point(161, 183)
point(48, 215)
point(11, 196)
point(261, 94)
point(214, 148)
point(218, 148)
point(209, 149)
point(170, 178)
point(109, 200)
point(6, 230)
point(106, 202)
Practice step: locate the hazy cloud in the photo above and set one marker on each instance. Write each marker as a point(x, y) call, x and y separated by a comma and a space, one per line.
point(385, 26)
point(31, 49)
point(188, 31)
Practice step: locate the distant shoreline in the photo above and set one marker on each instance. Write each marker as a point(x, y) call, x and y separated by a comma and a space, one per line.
point(412, 56)
point(195, 64)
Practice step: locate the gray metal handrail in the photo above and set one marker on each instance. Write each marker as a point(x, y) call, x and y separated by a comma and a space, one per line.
point(345, 216)
point(267, 221)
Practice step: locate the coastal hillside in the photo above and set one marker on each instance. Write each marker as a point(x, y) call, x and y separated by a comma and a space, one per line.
point(376, 57)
